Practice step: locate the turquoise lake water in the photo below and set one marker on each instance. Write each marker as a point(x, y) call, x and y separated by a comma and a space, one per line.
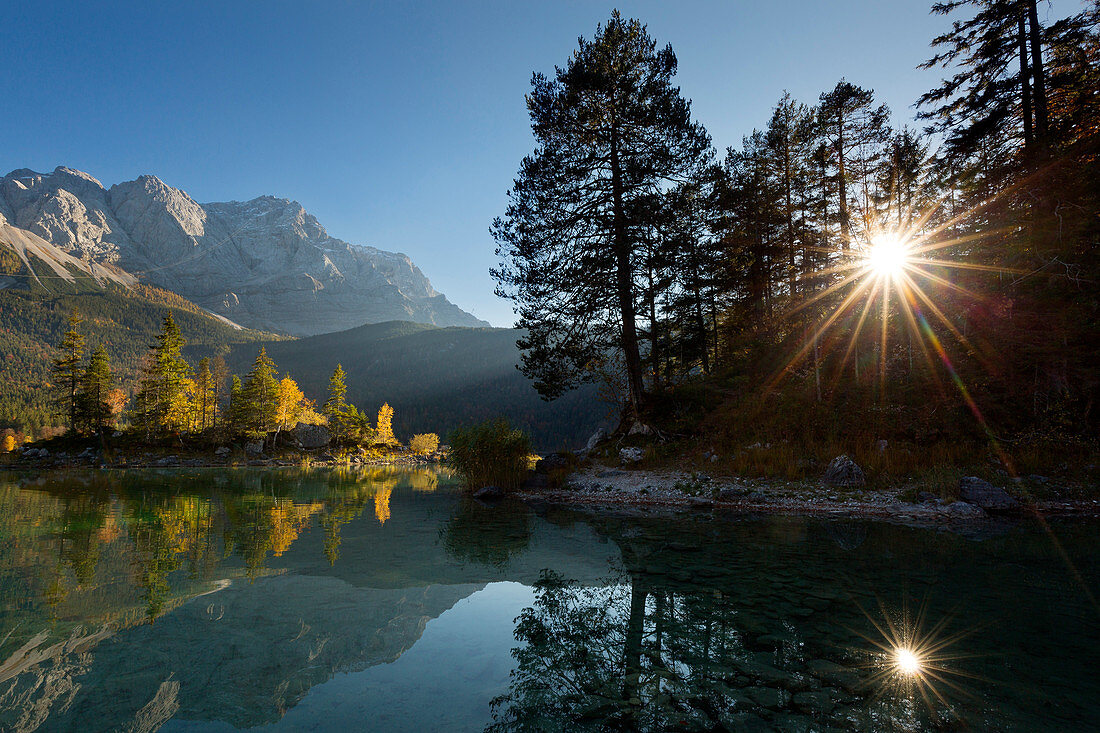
point(219, 600)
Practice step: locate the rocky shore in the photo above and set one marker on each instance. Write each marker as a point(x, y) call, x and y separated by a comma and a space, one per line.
point(628, 490)
point(222, 457)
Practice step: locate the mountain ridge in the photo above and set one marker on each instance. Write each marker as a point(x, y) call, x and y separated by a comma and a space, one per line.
point(265, 263)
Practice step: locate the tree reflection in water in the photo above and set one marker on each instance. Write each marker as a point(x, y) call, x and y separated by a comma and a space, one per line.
point(676, 641)
point(486, 535)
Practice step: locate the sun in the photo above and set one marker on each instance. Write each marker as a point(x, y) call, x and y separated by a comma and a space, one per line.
point(907, 661)
point(888, 255)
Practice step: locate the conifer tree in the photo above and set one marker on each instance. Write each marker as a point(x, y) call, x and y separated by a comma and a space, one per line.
point(290, 404)
point(612, 132)
point(219, 375)
point(96, 393)
point(163, 399)
point(68, 368)
point(206, 403)
point(237, 413)
point(336, 406)
point(259, 395)
point(384, 429)
point(855, 130)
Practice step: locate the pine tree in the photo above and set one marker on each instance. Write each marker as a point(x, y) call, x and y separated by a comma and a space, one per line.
point(68, 368)
point(336, 406)
point(96, 393)
point(206, 403)
point(163, 399)
point(612, 132)
point(855, 130)
point(259, 395)
point(237, 414)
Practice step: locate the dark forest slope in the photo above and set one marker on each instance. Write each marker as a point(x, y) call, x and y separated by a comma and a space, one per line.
point(434, 378)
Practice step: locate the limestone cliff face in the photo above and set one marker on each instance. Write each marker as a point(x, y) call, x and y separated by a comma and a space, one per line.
point(264, 263)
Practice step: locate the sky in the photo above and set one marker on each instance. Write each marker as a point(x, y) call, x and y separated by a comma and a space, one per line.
point(398, 125)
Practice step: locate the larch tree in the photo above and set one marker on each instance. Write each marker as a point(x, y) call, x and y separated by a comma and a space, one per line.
point(788, 138)
point(612, 132)
point(68, 368)
point(384, 429)
point(290, 403)
point(996, 96)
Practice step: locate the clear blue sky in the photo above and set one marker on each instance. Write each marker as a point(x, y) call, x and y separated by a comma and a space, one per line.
point(399, 125)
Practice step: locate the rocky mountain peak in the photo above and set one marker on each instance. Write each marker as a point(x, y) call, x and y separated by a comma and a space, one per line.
point(265, 263)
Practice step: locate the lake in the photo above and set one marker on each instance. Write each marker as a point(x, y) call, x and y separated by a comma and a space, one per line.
point(383, 599)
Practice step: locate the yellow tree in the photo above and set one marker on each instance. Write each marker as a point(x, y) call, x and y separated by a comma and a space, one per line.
point(384, 433)
point(424, 444)
point(9, 443)
point(290, 405)
point(179, 415)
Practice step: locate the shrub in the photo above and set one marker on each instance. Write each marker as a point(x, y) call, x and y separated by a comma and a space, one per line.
point(424, 444)
point(492, 453)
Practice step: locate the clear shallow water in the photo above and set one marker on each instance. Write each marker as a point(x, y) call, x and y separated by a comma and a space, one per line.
point(382, 600)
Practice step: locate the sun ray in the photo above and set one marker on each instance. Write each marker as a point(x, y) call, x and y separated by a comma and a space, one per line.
point(855, 336)
point(848, 300)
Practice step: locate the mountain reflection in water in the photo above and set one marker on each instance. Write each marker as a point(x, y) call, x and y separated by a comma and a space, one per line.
point(384, 599)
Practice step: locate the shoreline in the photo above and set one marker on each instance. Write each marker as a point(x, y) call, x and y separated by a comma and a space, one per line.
point(670, 492)
point(652, 493)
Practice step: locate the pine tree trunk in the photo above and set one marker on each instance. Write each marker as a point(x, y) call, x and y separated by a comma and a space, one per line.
point(1039, 76)
point(625, 285)
point(845, 226)
point(1025, 84)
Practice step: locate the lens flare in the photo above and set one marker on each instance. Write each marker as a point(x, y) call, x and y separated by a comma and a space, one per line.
point(907, 661)
point(888, 255)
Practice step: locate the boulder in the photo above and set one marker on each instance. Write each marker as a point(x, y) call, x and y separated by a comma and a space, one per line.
point(926, 497)
point(631, 455)
point(552, 462)
point(640, 428)
point(597, 437)
point(964, 510)
point(843, 471)
point(978, 492)
point(489, 493)
point(254, 448)
point(311, 437)
point(732, 493)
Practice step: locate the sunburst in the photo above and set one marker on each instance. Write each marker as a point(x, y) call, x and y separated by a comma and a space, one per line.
point(910, 660)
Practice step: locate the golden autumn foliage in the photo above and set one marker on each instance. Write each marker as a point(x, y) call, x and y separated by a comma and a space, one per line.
point(424, 444)
point(384, 431)
point(382, 504)
point(9, 443)
point(289, 403)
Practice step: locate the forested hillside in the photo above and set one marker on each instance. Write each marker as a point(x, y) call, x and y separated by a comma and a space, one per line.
point(435, 379)
point(34, 314)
